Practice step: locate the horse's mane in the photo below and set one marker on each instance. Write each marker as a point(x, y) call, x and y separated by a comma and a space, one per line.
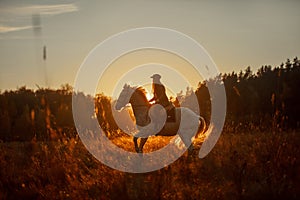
point(140, 90)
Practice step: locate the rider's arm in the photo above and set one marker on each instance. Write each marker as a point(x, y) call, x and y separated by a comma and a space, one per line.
point(152, 99)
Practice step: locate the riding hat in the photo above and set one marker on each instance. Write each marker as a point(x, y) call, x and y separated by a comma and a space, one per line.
point(156, 76)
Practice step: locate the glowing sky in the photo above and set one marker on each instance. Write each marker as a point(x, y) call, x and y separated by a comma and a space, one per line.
point(236, 33)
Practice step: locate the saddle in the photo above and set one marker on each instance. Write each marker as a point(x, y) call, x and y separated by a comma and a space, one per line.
point(171, 114)
point(170, 110)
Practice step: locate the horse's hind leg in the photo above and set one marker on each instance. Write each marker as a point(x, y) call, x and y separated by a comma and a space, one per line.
point(187, 141)
point(190, 149)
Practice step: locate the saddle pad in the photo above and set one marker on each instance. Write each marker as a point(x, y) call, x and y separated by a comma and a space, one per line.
point(171, 115)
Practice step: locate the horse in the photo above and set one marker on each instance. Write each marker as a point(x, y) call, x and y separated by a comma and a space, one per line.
point(187, 123)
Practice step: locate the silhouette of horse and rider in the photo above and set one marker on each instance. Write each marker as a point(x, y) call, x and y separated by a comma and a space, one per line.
point(160, 97)
point(161, 118)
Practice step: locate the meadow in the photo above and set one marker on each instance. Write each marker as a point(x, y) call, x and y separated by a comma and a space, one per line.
point(248, 165)
point(256, 157)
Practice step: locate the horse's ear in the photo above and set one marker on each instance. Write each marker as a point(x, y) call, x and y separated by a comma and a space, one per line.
point(125, 86)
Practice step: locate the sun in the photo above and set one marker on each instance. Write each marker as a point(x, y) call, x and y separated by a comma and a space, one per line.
point(148, 95)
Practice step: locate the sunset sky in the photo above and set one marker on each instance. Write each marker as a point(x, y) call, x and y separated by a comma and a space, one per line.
point(236, 33)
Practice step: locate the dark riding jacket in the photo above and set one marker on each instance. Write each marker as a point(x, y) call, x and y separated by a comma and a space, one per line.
point(160, 96)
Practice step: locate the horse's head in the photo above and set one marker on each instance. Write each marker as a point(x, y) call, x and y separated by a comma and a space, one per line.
point(124, 97)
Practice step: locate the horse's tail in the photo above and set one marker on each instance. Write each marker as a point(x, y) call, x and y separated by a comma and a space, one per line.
point(202, 125)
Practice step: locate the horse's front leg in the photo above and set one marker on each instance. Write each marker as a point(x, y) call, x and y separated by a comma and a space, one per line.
point(136, 146)
point(142, 143)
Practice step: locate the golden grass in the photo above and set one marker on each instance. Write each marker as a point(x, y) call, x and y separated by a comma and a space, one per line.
point(246, 165)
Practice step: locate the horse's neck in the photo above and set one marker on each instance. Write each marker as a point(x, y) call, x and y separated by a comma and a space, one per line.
point(139, 108)
point(140, 111)
point(138, 102)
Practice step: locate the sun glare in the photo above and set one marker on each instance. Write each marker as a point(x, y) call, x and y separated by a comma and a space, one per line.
point(148, 95)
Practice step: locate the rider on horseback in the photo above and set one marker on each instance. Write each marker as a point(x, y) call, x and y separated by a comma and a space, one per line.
point(161, 98)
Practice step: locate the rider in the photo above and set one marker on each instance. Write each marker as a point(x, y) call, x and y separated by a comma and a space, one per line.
point(159, 91)
point(160, 96)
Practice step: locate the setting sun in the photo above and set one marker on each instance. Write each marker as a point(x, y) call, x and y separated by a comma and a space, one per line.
point(148, 95)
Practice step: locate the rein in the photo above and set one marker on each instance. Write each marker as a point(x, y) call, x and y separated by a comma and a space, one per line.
point(140, 105)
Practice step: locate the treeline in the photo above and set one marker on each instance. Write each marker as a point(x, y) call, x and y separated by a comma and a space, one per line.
point(266, 99)
point(45, 114)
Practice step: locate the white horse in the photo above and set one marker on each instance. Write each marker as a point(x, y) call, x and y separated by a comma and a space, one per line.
point(150, 119)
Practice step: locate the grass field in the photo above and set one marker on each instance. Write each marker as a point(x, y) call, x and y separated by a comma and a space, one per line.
point(260, 165)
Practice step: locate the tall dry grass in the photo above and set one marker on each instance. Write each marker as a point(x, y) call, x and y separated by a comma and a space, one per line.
point(258, 165)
